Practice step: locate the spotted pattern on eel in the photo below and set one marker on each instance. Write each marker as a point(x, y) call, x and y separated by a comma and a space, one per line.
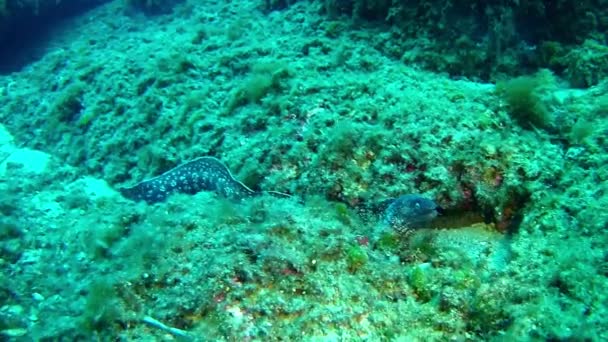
point(409, 212)
point(200, 174)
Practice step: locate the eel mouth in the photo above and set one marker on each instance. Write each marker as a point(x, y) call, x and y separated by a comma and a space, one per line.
point(425, 218)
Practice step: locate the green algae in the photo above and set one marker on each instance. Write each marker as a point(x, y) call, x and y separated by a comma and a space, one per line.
point(524, 102)
point(100, 310)
point(356, 258)
point(420, 280)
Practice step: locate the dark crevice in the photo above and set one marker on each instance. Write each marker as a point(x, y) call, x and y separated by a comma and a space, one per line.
point(24, 31)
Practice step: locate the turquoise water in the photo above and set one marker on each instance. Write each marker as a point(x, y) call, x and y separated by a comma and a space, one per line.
point(313, 116)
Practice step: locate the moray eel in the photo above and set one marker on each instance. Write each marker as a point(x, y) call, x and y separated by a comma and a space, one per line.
point(209, 174)
point(409, 212)
point(403, 214)
point(201, 174)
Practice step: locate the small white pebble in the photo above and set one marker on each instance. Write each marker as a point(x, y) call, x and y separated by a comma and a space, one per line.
point(489, 149)
point(14, 310)
point(17, 332)
point(81, 256)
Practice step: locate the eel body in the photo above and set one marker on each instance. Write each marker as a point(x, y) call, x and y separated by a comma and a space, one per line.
point(201, 174)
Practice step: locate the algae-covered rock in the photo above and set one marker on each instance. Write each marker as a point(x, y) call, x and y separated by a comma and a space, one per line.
point(484, 39)
point(525, 104)
point(587, 64)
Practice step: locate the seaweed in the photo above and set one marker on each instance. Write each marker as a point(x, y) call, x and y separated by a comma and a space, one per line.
point(356, 258)
point(525, 105)
point(100, 309)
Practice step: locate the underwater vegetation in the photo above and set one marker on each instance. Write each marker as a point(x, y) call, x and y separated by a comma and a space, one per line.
point(489, 40)
point(524, 102)
point(120, 221)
